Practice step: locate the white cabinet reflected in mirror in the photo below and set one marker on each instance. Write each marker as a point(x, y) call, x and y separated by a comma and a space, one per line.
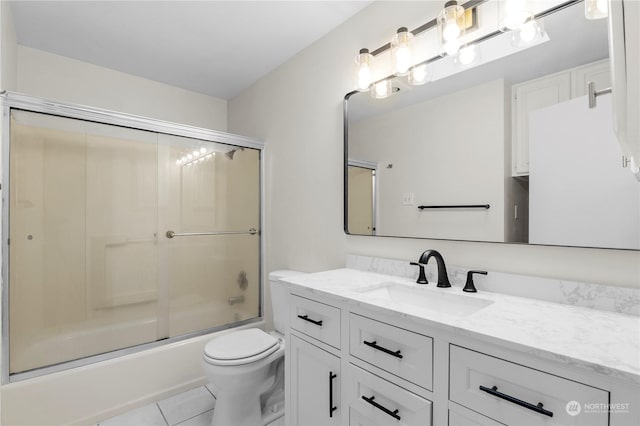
point(506, 151)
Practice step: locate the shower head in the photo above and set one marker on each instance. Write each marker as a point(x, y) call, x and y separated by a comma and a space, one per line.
point(229, 154)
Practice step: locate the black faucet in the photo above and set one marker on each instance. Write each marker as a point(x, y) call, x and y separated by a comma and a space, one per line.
point(443, 278)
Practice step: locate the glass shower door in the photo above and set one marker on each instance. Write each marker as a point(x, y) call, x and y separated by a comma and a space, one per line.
point(210, 206)
point(83, 256)
point(120, 237)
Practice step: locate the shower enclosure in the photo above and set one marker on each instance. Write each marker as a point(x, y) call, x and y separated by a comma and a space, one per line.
point(120, 232)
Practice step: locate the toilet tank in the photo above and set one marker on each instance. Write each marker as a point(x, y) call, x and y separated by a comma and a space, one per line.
point(278, 299)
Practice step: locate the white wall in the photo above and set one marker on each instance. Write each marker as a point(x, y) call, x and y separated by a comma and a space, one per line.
point(297, 109)
point(68, 80)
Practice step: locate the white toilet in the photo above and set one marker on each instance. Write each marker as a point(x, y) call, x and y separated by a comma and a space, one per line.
point(246, 368)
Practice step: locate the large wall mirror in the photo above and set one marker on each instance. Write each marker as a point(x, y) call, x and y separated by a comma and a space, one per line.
point(503, 151)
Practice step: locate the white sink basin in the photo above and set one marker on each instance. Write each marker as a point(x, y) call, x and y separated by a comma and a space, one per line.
point(430, 300)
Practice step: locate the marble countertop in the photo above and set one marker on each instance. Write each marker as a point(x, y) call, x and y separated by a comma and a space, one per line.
point(604, 342)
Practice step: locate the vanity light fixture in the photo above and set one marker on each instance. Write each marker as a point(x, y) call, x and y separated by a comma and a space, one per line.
point(451, 28)
point(596, 9)
point(401, 51)
point(363, 71)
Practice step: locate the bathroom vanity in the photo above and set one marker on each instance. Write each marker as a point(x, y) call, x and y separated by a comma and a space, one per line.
point(371, 349)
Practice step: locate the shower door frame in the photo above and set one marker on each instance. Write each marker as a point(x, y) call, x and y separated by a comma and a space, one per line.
point(18, 101)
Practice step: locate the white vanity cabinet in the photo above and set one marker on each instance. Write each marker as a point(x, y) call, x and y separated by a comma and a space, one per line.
point(359, 371)
point(546, 91)
point(514, 394)
point(357, 364)
point(316, 377)
point(315, 386)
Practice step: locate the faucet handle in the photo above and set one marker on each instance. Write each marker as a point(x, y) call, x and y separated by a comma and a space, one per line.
point(422, 278)
point(469, 286)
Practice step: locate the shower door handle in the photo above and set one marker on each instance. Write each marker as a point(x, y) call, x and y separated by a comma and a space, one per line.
point(171, 234)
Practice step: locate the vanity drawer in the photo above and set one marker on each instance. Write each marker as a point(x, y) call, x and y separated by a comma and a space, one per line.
point(315, 319)
point(385, 403)
point(511, 393)
point(401, 352)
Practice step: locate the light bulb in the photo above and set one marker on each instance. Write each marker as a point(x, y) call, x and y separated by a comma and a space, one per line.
point(189, 157)
point(514, 7)
point(467, 55)
point(184, 159)
point(203, 150)
point(381, 90)
point(528, 32)
point(596, 9)
point(403, 60)
point(451, 30)
point(451, 47)
point(418, 75)
point(515, 14)
point(364, 77)
point(178, 162)
point(364, 73)
point(401, 51)
point(196, 153)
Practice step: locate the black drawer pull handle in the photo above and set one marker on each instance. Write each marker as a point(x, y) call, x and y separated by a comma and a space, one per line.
point(371, 401)
point(306, 318)
point(331, 407)
point(537, 408)
point(397, 354)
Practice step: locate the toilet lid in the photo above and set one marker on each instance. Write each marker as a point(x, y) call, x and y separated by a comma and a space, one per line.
point(241, 344)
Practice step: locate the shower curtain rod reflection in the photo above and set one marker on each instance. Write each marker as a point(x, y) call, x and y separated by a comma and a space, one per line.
point(171, 234)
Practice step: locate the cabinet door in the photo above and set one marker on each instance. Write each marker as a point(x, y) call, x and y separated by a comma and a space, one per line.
point(529, 97)
point(315, 385)
point(598, 72)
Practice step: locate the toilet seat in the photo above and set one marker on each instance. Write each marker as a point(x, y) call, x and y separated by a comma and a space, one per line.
point(240, 347)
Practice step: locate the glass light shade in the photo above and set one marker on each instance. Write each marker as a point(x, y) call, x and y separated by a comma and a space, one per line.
point(596, 9)
point(363, 71)
point(401, 51)
point(382, 89)
point(531, 32)
point(468, 55)
point(512, 14)
point(451, 28)
point(418, 75)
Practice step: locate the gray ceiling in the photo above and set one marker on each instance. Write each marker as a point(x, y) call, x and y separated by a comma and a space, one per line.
point(218, 48)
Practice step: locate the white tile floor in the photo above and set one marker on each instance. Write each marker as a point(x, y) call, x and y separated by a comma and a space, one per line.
point(191, 408)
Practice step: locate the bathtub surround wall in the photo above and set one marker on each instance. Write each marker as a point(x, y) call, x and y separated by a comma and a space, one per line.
point(297, 110)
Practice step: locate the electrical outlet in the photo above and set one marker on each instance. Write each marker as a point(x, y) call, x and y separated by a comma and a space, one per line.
point(407, 199)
